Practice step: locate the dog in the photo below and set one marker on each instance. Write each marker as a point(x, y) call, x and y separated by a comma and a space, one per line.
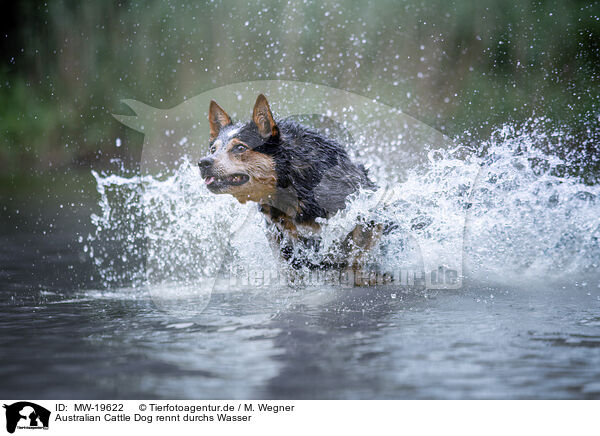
point(296, 175)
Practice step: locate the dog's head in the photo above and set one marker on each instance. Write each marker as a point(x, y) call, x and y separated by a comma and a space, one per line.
point(239, 163)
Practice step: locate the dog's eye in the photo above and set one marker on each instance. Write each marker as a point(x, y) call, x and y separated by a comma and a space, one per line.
point(239, 148)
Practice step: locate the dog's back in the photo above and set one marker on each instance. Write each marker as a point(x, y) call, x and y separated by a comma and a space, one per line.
point(314, 173)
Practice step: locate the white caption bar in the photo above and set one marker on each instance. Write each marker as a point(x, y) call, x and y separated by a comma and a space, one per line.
point(22, 417)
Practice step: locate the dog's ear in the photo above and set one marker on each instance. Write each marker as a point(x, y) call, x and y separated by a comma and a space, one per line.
point(263, 118)
point(217, 118)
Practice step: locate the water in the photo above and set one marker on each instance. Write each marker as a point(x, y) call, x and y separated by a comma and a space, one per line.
point(80, 297)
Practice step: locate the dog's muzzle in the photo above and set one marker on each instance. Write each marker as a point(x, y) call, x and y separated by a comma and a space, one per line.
point(205, 165)
point(217, 182)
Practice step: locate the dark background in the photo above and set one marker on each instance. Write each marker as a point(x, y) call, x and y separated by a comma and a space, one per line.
point(455, 65)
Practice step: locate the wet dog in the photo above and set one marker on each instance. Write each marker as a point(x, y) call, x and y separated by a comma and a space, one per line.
point(294, 174)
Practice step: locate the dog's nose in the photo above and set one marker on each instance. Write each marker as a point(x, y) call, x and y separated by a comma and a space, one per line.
point(205, 163)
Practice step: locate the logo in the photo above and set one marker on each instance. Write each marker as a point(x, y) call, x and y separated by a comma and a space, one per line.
point(26, 415)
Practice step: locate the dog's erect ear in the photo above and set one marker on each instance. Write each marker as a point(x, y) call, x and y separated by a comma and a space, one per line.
point(217, 118)
point(263, 118)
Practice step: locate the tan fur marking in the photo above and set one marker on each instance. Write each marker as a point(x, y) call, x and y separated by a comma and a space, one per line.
point(234, 142)
point(263, 179)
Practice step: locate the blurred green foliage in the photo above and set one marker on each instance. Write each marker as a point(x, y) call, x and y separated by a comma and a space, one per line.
point(456, 65)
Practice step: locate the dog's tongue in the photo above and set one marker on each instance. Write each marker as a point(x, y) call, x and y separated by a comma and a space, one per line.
point(209, 180)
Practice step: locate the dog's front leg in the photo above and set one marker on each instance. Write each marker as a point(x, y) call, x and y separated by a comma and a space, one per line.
point(277, 243)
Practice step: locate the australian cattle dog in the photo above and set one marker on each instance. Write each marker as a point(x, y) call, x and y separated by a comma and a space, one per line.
point(296, 175)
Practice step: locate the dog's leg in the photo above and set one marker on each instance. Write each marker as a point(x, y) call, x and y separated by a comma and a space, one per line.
point(358, 243)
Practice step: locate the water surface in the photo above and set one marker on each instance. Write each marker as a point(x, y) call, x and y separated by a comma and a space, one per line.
point(65, 335)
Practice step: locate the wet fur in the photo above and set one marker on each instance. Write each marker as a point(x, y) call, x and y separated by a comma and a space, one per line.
point(314, 174)
point(296, 175)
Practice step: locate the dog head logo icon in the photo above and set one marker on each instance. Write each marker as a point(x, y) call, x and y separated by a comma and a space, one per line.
point(24, 414)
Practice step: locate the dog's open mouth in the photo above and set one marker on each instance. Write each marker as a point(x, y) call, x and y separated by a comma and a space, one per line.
point(218, 182)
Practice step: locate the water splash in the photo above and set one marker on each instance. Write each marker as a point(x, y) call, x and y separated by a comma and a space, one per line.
point(506, 209)
point(533, 220)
